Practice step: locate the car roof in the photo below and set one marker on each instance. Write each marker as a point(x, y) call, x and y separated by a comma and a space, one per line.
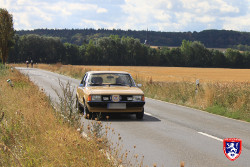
point(107, 72)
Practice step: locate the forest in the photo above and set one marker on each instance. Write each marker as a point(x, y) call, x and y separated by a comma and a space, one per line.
point(122, 50)
point(210, 38)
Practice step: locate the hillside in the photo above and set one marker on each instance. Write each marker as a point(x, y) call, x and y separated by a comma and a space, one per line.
point(210, 38)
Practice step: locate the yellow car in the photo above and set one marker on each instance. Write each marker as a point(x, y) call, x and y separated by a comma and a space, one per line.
point(109, 92)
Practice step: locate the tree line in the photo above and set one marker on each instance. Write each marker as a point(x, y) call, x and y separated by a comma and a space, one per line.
point(210, 38)
point(241, 47)
point(127, 51)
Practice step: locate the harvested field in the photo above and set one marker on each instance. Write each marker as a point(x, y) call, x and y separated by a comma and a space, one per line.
point(181, 73)
point(164, 74)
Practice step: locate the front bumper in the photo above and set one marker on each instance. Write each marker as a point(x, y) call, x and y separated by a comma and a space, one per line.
point(103, 106)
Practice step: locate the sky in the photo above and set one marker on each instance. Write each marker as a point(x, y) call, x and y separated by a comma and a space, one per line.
point(155, 15)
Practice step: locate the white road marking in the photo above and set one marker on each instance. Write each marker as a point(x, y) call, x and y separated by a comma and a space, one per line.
point(147, 114)
point(213, 137)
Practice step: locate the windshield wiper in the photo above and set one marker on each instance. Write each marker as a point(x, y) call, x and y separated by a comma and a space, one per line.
point(119, 84)
point(94, 84)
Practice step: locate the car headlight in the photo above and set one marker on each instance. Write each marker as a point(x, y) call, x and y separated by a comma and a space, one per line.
point(96, 98)
point(138, 98)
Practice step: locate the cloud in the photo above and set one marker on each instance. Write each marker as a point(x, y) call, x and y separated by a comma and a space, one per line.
point(205, 19)
point(159, 15)
point(5, 4)
point(40, 14)
point(69, 8)
point(225, 7)
point(178, 15)
point(240, 23)
point(96, 24)
point(21, 21)
point(142, 14)
point(101, 10)
point(204, 6)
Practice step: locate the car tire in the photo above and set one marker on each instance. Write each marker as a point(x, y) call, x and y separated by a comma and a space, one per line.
point(140, 115)
point(79, 107)
point(89, 115)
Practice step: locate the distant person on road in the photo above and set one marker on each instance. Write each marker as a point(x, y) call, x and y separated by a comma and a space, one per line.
point(27, 63)
point(31, 63)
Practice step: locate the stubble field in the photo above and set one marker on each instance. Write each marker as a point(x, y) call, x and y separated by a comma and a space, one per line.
point(170, 74)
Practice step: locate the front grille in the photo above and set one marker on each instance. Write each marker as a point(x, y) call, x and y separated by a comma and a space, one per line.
point(109, 97)
point(125, 97)
point(104, 97)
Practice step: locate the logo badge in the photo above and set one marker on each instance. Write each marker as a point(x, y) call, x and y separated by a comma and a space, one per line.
point(232, 148)
point(115, 98)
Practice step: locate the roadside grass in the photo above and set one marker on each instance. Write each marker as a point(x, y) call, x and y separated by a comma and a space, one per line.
point(228, 98)
point(32, 134)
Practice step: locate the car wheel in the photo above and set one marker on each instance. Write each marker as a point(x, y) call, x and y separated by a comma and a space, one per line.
point(140, 115)
point(79, 107)
point(89, 115)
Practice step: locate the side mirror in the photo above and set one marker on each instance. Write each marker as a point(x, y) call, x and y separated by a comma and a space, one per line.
point(81, 85)
point(139, 85)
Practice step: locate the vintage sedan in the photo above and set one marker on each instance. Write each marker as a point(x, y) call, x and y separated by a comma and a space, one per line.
point(109, 92)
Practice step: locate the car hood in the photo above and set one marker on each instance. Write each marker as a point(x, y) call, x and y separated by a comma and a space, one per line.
point(119, 90)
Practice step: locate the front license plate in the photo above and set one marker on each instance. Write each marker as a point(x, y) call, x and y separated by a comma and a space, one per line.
point(116, 105)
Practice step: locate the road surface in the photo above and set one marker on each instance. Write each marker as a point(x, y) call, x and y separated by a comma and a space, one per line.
point(168, 134)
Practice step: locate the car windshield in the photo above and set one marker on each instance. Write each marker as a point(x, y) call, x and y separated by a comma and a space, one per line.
point(110, 79)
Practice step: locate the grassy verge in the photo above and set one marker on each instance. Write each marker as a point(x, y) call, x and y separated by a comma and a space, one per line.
point(31, 134)
point(227, 99)
point(230, 99)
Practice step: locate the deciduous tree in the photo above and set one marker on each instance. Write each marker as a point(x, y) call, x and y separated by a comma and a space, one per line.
point(6, 33)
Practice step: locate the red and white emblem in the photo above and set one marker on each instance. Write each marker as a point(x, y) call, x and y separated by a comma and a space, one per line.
point(232, 148)
point(115, 98)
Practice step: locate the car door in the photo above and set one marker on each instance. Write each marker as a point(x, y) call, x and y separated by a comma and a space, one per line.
point(80, 90)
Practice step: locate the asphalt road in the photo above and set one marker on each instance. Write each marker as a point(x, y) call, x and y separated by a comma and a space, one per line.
point(169, 133)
